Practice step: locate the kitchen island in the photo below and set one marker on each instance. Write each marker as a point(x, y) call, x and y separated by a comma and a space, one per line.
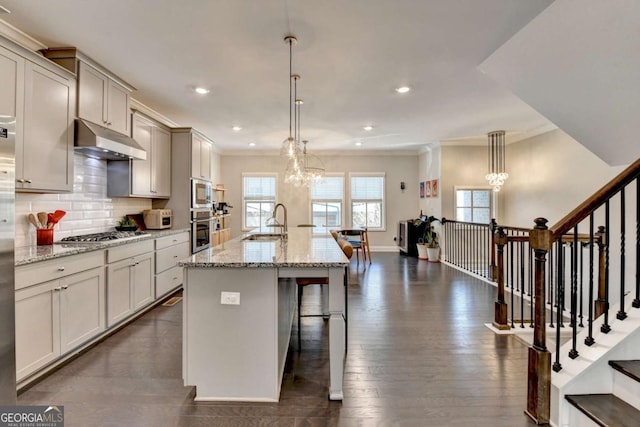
point(239, 305)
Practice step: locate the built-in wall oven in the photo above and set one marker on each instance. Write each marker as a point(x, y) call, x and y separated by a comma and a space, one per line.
point(201, 194)
point(201, 228)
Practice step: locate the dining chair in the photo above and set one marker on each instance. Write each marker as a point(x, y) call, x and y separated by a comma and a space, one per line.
point(347, 249)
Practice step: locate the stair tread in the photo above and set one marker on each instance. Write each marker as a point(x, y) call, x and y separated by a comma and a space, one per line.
point(630, 368)
point(606, 409)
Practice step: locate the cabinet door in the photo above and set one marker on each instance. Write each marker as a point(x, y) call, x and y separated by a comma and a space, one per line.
point(119, 291)
point(11, 80)
point(205, 160)
point(195, 157)
point(47, 148)
point(92, 94)
point(118, 108)
point(82, 308)
point(161, 173)
point(143, 289)
point(141, 169)
point(37, 327)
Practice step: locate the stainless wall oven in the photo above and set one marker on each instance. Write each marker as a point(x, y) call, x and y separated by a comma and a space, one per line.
point(201, 228)
point(201, 194)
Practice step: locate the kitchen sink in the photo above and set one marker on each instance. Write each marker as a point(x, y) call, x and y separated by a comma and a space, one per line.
point(263, 237)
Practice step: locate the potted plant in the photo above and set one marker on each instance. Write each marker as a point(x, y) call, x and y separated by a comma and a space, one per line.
point(428, 247)
point(127, 224)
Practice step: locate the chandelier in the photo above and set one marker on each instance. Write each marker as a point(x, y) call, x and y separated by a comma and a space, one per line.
point(301, 169)
point(497, 175)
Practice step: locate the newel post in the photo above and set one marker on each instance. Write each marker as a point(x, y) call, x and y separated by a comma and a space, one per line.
point(493, 227)
point(500, 307)
point(539, 372)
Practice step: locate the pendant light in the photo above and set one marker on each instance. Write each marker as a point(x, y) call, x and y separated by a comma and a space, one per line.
point(497, 174)
point(289, 146)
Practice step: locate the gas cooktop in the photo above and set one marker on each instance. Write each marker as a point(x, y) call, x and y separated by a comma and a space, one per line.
point(102, 237)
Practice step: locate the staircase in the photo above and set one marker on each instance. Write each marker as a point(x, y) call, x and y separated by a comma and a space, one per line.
point(610, 409)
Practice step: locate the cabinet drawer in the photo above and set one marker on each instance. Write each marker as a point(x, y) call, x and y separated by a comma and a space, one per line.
point(165, 242)
point(168, 281)
point(168, 257)
point(129, 250)
point(56, 268)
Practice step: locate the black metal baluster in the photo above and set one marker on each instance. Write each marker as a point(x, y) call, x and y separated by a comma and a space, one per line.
point(606, 328)
point(521, 262)
point(556, 365)
point(581, 245)
point(573, 353)
point(531, 287)
point(636, 301)
point(551, 287)
point(621, 313)
point(511, 263)
point(589, 339)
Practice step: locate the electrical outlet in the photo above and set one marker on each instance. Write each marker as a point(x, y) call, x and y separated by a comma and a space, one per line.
point(230, 298)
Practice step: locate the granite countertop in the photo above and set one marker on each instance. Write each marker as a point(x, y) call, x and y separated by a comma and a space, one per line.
point(305, 247)
point(30, 254)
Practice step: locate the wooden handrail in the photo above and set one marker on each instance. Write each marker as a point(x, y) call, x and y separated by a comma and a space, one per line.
point(592, 203)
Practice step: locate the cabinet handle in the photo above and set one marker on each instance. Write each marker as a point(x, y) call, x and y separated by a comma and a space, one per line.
point(60, 268)
point(175, 256)
point(28, 181)
point(65, 287)
point(175, 278)
point(4, 220)
point(109, 123)
point(20, 180)
point(57, 289)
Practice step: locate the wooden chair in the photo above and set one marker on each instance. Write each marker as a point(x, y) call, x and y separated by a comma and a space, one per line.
point(359, 239)
point(306, 281)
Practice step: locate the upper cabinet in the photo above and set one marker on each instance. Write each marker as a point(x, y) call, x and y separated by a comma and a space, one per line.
point(144, 178)
point(103, 98)
point(41, 97)
point(200, 157)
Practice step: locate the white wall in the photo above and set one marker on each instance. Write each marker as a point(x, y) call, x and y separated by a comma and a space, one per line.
point(549, 175)
point(429, 169)
point(88, 208)
point(400, 204)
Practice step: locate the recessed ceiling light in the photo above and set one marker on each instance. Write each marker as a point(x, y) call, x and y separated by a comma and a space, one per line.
point(358, 144)
point(236, 128)
point(252, 144)
point(403, 89)
point(202, 91)
point(368, 128)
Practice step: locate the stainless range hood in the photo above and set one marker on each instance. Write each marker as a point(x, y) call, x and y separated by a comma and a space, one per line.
point(101, 143)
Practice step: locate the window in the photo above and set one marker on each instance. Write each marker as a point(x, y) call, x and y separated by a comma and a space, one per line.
point(326, 202)
point(367, 201)
point(259, 199)
point(473, 205)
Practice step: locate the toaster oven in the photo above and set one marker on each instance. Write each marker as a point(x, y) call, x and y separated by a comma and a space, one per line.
point(157, 219)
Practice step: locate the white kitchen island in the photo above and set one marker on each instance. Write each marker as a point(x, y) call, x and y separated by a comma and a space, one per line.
point(239, 305)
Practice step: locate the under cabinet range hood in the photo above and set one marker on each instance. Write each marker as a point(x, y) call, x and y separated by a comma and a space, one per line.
point(101, 143)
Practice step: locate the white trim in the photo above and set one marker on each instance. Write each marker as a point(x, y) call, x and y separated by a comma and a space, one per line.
point(342, 201)
point(139, 106)
point(493, 209)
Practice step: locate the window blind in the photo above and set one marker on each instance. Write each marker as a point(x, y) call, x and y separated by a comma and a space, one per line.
point(330, 189)
point(259, 187)
point(367, 187)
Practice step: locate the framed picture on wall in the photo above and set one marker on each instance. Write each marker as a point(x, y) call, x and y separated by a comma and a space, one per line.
point(422, 190)
point(427, 189)
point(434, 188)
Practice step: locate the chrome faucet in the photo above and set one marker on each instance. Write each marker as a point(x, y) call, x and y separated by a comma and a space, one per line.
point(273, 222)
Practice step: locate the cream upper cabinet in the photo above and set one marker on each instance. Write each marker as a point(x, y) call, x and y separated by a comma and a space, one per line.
point(144, 178)
point(102, 100)
point(200, 158)
point(161, 165)
point(42, 100)
point(44, 162)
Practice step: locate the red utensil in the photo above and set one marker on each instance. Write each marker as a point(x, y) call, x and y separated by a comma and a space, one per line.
point(55, 217)
point(50, 222)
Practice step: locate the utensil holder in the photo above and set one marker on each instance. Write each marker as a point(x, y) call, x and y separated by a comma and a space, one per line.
point(44, 236)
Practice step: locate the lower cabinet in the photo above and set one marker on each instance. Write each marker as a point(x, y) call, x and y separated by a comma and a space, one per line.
point(129, 280)
point(57, 316)
point(169, 250)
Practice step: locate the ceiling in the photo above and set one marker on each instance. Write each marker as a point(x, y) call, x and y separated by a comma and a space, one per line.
point(350, 55)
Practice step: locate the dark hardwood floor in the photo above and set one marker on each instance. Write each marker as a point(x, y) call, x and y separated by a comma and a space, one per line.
point(418, 355)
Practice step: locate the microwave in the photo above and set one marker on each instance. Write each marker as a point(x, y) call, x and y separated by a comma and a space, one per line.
point(157, 219)
point(201, 194)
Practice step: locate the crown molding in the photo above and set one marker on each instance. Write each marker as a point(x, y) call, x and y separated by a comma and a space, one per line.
point(19, 37)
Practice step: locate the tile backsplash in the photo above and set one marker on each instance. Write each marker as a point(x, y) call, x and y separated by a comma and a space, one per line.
point(88, 208)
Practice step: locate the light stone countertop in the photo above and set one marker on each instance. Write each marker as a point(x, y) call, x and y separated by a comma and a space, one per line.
point(304, 248)
point(30, 254)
